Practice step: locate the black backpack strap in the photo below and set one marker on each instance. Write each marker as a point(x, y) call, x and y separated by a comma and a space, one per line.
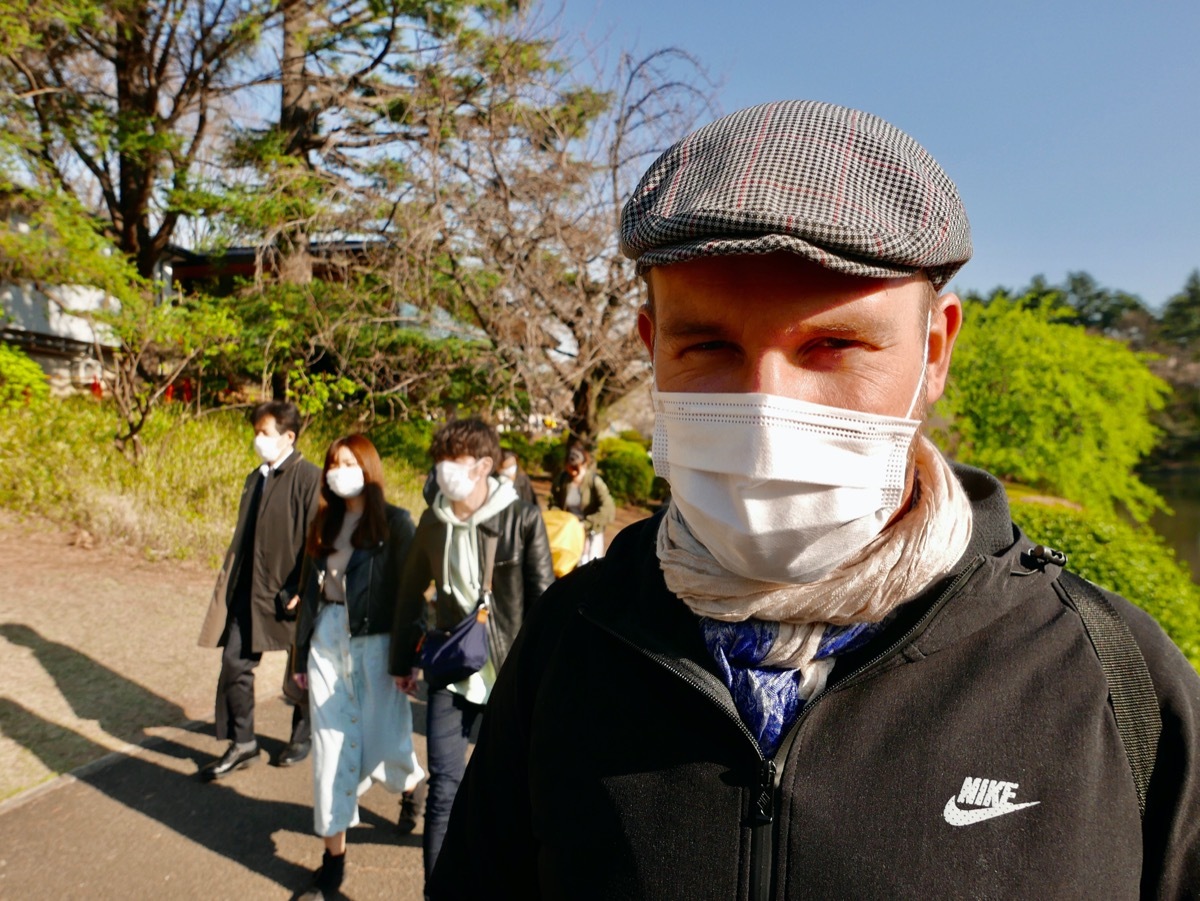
point(1135, 705)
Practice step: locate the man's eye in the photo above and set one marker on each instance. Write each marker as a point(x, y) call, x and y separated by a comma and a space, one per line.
point(836, 343)
point(707, 346)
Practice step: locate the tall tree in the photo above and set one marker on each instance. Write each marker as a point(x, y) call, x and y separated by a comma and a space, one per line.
point(1181, 316)
point(114, 105)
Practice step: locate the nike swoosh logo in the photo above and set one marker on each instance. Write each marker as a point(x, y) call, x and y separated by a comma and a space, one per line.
point(956, 816)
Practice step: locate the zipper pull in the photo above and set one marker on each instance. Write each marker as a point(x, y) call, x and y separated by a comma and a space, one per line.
point(764, 808)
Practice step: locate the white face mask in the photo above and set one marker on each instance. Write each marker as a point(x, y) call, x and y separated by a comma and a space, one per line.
point(510, 473)
point(345, 481)
point(269, 447)
point(455, 480)
point(777, 489)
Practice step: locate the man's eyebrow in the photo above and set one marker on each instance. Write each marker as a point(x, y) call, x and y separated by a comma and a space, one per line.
point(692, 328)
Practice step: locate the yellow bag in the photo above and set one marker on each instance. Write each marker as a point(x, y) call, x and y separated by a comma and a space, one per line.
point(567, 539)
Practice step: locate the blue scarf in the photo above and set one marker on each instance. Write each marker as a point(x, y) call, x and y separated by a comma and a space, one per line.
point(768, 699)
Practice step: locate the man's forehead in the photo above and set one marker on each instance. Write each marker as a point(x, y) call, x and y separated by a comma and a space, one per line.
point(740, 284)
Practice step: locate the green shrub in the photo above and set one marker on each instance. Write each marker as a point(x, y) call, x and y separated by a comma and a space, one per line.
point(530, 454)
point(1132, 561)
point(22, 382)
point(405, 440)
point(180, 501)
point(626, 469)
point(554, 457)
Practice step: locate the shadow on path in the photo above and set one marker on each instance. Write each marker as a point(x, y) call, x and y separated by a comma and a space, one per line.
point(123, 708)
point(212, 815)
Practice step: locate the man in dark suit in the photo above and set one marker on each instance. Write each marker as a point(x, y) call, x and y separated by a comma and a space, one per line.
point(252, 607)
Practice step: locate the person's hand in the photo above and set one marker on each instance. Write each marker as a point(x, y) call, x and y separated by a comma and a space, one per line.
point(291, 605)
point(301, 680)
point(407, 684)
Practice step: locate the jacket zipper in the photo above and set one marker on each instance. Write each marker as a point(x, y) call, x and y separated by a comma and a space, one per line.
point(767, 804)
point(789, 739)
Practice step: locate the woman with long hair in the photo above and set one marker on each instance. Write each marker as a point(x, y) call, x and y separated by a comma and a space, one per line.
point(362, 724)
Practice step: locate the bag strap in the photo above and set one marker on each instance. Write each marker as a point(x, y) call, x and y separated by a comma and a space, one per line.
point(1135, 705)
point(489, 561)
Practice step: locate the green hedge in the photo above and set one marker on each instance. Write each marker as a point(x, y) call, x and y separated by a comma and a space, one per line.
point(1134, 562)
point(22, 382)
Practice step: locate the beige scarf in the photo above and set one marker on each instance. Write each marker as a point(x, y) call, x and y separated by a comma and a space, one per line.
point(900, 563)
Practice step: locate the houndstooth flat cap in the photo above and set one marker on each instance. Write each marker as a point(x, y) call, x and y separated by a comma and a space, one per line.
point(840, 187)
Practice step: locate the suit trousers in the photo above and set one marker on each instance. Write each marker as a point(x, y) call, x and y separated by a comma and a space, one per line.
point(235, 686)
point(234, 715)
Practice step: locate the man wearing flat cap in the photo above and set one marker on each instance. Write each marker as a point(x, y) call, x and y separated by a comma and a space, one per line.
point(832, 667)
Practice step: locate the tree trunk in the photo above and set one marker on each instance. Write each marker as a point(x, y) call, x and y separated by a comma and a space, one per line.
point(136, 102)
point(297, 122)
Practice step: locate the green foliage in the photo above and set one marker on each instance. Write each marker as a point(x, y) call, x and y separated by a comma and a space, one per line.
point(22, 382)
point(315, 392)
point(532, 454)
point(1037, 401)
point(181, 501)
point(405, 440)
point(626, 469)
point(1132, 561)
point(1181, 315)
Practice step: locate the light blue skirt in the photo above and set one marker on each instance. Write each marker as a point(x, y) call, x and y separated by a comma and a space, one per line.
point(362, 723)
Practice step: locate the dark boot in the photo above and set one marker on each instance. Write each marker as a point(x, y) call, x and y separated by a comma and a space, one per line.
point(328, 878)
point(412, 805)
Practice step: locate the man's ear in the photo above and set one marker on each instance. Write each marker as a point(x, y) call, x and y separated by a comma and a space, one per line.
point(488, 465)
point(944, 327)
point(645, 327)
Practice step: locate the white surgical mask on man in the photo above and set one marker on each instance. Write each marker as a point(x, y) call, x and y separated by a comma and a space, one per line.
point(777, 489)
point(455, 480)
point(345, 481)
point(269, 447)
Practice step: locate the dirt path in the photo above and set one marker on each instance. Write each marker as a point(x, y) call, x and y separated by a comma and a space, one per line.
point(97, 649)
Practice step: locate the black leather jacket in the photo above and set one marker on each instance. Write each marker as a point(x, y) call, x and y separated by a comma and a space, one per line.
point(523, 570)
point(372, 585)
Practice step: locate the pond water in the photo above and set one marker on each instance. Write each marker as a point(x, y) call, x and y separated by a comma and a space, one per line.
point(1181, 489)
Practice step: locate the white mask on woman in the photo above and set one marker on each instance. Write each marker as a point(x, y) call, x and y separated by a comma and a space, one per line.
point(345, 481)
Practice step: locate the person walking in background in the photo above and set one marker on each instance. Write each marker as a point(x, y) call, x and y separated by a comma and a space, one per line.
point(510, 471)
point(579, 489)
point(476, 535)
point(253, 604)
point(362, 723)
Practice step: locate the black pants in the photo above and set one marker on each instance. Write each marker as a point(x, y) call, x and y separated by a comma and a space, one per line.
point(234, 715)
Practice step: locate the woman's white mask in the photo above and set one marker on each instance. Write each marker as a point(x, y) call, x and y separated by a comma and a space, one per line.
point(345, 481)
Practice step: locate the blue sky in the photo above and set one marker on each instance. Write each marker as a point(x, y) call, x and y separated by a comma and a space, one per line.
point(1071, 128)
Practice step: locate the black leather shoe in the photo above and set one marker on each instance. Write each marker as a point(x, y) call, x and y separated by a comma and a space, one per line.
point(294, 753)
point(231, 760)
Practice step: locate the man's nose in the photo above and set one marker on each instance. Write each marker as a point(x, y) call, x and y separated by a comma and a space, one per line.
point(771, 372)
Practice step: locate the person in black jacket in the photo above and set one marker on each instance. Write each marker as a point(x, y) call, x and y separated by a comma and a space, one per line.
point(476, 531)
point(253, 605)
point(832, 667)
point(362, 723)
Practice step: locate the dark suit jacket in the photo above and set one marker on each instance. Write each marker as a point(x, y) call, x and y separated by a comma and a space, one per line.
point(288, 504)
